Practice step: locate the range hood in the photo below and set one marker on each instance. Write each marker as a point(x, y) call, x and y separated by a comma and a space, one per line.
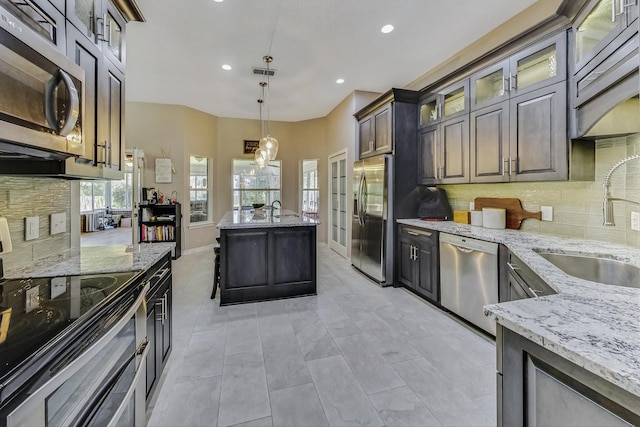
point(622, 119)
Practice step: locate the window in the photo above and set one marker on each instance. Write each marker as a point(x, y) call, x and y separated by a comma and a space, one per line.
point(96, 195)
point(310, 191)
point(121, 192)
point(254, 185)
point(92, 195)
point(199, 189)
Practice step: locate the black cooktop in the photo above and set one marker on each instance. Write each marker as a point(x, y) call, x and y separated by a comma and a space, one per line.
point(35, 311)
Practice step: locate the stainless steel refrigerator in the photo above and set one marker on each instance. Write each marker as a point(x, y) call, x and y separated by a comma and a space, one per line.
point(372, 222)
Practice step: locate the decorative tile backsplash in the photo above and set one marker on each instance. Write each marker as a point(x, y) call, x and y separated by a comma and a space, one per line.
point(577, 206)
point(22, 197)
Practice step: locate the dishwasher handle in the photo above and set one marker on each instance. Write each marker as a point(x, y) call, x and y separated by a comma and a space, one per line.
point(463, 249)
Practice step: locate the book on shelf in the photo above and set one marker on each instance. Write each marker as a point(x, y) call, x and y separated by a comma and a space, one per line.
point(158, 233)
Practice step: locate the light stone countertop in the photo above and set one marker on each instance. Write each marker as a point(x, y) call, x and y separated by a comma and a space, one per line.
point(264, 219)
point(95, 259)
point(594, 325)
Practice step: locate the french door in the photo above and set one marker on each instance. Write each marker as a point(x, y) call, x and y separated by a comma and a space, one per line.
point(338, 203)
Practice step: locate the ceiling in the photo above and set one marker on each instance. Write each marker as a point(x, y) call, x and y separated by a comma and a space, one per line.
point(175, 57)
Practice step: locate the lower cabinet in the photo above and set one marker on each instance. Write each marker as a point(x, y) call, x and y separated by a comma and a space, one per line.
point(159, 318)
point(418, 261)
point(539, 388)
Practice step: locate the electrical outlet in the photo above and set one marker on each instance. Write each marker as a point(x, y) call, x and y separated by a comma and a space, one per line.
point(635, 221)
point(31, 228)
point(472, 206)
point(58, 223)
point(547, 213)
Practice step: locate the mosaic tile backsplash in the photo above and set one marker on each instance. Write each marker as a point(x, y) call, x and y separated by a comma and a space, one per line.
point(577, 206)
point(22, 197)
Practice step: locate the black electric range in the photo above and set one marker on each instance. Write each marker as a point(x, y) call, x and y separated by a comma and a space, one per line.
point(39, 316)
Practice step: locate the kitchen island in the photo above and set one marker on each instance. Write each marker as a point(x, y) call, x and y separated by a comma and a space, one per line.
point(266, 255)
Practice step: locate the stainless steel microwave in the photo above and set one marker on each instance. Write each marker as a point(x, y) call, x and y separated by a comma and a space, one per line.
point(41, 95)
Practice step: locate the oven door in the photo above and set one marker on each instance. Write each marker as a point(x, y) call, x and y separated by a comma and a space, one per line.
point(42, 93)
point(102, 386)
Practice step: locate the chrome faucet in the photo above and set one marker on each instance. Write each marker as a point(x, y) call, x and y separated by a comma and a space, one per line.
point(274, 202)
point(608, 200)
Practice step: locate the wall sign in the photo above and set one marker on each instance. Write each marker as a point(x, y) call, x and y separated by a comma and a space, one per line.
point(250, 147)
point(163, 171)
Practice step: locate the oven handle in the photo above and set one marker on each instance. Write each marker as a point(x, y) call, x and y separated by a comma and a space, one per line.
point(73, 109)
point(93, 406)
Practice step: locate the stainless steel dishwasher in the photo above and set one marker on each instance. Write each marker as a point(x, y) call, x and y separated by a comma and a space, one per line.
point(469, 278)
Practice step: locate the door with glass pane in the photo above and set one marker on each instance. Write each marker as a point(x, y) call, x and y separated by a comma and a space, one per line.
point(338, 203)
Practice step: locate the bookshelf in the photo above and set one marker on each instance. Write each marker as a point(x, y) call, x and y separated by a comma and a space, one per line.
point(161, 223)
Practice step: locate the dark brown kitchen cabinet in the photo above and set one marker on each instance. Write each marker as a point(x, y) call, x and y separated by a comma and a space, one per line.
point(375, 133)
point(522, 139)
point(87, 55)
point(42, 17)
point(444, 152)
point(539, 388)
point(597, 25)
point(111, 144)
point(101, 23)
point(445, 104)
point(537, 66)
point(418, 261)
point(104, 110)
point(606, 68)
point(159, 321)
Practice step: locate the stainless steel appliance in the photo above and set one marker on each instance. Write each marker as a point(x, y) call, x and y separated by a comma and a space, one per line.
point(372, 222)
point(469, 278)
point(41, 107)
point(74, 350)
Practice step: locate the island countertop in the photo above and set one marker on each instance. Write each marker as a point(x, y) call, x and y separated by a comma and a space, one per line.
point(95, 259)
point(594, 325)
point(267, 218)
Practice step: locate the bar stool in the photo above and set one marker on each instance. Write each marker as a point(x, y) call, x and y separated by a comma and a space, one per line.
point(216, 268)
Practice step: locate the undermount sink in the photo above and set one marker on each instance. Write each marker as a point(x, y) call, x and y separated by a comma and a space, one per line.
point(285, 215)
point(595, 269)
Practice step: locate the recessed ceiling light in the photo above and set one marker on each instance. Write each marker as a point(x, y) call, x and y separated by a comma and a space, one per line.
point(387, 28)
point(340, 81)
point(218, 1)
point(226, 66)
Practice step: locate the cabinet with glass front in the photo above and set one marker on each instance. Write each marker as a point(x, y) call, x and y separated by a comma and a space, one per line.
point(598, 24)
point(540, 65)
point(446, 104)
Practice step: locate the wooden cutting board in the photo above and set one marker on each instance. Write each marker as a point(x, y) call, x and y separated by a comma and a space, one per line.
point(515, 213)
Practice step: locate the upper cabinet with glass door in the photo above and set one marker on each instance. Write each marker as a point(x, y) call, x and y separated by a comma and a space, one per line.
point(101, 23)
point(599, 23)
point(447, 103)
point(532, 68)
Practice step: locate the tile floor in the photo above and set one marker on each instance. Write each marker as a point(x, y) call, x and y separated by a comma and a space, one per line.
point(355, 354)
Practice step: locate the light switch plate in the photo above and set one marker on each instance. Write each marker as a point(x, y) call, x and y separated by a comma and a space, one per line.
point(547, 213)
point(635, 221)
point(472, 206)
point(31, 228)
point(58, 223)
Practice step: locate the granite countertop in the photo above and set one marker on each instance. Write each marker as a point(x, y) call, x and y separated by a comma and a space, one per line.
point(264, 219)
point(594, 325)
point(95, 259)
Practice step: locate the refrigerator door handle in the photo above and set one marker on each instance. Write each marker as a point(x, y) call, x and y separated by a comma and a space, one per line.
point(361, 200)
point(365, 195)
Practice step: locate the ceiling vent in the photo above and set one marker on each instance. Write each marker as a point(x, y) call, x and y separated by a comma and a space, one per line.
point(264, 72)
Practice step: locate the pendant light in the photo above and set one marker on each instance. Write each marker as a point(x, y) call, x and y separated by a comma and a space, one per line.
point(268, 144)
point(261, 156)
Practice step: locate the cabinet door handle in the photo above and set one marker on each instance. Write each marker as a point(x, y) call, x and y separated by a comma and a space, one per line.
point(505, 85)
point(513, 266)
point(514, 81)
point(535, 292)
point(513, 162)
point(413, 233)
point(504, 167)
point(160, 316)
